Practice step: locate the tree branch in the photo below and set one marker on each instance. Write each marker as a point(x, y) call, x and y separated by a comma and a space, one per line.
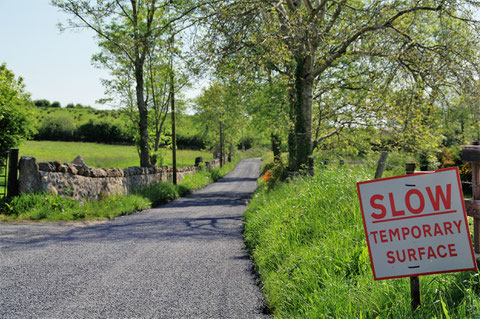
point(342, 49)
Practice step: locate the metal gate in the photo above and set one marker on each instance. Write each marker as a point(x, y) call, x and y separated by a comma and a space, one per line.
point(3, 173)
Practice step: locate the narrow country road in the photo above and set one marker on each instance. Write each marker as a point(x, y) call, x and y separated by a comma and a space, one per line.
point(185, 259)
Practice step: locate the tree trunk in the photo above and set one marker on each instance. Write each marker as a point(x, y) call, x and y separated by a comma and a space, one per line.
point(292, 146)
point(143, 113)
point(221, 144)
point(303, 113)
point(276, 146)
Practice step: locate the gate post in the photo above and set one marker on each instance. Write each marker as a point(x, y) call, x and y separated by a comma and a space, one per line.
point(471, 154)
point(12, 186)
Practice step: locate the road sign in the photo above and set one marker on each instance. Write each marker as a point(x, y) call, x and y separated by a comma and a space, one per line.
point(416, 224)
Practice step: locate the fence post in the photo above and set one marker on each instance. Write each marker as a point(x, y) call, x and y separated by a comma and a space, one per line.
point(12, 186)
point(382, 161)
point(471, 154)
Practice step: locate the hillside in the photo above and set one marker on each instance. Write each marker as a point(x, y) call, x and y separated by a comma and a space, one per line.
point(59, 123)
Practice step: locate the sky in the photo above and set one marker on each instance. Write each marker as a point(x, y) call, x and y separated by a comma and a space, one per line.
point(54, 65)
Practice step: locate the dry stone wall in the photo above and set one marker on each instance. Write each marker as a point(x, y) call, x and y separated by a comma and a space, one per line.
point(82, 182)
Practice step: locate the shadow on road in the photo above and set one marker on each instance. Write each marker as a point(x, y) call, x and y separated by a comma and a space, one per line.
point(170, 222)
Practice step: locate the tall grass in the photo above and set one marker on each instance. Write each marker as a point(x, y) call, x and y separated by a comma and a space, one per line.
point(308, 244)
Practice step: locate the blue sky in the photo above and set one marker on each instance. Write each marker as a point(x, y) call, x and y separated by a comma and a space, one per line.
point(55, 65)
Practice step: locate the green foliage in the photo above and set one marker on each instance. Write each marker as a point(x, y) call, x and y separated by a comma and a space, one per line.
point(311, 246)
point(56, 104)
point(112, 127)
point(42, 103)
point(220, 108)
point(195, 142)
point(55, 208)
point(16, 111)
point(394, 67)
point(274, 173)
point(102, 132)
point(57, 127)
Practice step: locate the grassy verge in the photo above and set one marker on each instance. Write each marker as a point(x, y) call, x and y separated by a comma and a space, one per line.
point(311, 254)
point(46, 207)
point(102, 155)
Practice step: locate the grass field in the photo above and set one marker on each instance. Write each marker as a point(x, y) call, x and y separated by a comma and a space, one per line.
point(101, 155)
point(308, 243)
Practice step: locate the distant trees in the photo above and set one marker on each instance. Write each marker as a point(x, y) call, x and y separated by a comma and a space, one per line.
point(56, 104)
point(42, 103)
point(222, 115)
point(16, 110)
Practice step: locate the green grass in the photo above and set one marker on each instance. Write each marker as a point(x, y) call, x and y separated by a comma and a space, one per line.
point(308, 244)
point(101, 155)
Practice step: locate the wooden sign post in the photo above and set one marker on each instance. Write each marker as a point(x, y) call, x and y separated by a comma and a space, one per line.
point(415, 290)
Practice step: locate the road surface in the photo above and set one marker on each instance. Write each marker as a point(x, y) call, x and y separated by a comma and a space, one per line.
point(185, 259)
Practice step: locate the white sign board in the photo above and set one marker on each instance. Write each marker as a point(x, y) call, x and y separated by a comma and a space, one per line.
point(416, 224)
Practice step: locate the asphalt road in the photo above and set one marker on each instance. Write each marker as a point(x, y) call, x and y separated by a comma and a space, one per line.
point(185, 259)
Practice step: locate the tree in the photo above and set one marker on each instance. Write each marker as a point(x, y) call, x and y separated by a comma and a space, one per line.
point(42, 103)
point(220, 112)
point(158, 82)
point(127, 31)
point(56, 104)
point(17, 112)
point(267, 104)
point(304, 40)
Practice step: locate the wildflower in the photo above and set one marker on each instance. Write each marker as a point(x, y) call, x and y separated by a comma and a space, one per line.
point(266, 176)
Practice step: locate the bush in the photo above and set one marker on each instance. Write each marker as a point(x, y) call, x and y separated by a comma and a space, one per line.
point(194, 142)
point(56, 104)
point(42, 103)
point(59, 127)
point(274, 173)
point(102, 132)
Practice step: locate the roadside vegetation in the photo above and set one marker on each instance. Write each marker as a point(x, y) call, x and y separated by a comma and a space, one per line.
point(48, 207)
point(312, 257)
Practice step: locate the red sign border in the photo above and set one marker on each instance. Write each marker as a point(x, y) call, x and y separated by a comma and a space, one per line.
point(464, 216)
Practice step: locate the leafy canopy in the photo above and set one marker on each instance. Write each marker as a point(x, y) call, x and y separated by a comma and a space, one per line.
point(16, 110)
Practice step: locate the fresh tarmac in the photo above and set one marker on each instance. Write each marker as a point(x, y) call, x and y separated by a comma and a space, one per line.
point(185, 259)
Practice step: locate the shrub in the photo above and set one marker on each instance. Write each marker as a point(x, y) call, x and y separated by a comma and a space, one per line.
point(102, 132)
point(273, 173)
point(194, 142)
point(42, 103)
point(59, 127)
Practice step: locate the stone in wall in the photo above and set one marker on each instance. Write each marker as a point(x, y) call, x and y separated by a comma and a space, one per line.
point(30, 178)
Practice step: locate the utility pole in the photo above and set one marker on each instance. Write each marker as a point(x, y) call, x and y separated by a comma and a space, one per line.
point(172, 103)
point(221, 144)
